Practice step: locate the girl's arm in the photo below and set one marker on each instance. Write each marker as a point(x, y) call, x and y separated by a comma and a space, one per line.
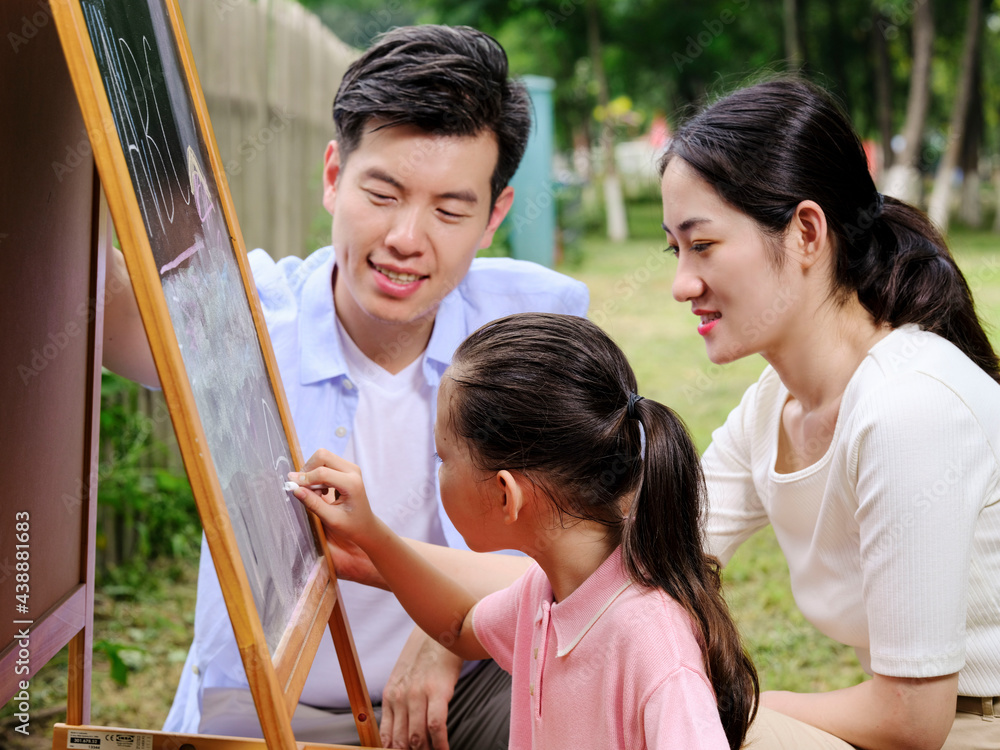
point(438, 604)
point(882, 713)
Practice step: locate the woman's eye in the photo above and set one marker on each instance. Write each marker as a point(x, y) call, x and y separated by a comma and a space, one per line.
point(700, 247)
point(672, 249)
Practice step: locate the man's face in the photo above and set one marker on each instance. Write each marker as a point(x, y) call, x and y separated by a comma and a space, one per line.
point(410, 210)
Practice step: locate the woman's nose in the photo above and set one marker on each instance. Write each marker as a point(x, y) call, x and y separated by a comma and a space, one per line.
point(687, 284)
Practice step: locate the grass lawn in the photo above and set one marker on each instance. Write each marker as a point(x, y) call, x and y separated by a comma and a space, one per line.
point(630, 297)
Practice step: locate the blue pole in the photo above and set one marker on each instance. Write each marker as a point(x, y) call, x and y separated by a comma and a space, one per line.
point(532, 218)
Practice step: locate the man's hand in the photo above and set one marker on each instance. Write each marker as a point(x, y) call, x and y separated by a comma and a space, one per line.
point(351, 562)
point(415, 700)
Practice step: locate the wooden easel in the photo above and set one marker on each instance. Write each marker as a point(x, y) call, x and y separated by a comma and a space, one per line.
point(61, 227)
point(53, 238)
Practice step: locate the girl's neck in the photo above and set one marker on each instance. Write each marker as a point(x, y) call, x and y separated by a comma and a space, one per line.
point(570, 555)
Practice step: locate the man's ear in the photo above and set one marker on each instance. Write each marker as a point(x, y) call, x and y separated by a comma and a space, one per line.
point(512, 492)
point(331, 172)
point(500, 209)
point(808, 233)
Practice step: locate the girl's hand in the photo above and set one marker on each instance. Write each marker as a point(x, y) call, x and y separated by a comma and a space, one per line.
point(344, 511)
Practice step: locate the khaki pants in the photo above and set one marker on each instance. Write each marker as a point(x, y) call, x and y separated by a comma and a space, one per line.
point(775, 731)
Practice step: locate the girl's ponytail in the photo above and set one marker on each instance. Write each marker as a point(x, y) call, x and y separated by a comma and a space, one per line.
point(907, 275)
point(662, 548)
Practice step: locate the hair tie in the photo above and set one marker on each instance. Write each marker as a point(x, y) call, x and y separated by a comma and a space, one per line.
point(633, 399)
point(879, 205)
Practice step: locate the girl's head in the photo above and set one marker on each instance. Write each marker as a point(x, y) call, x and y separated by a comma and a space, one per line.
point(551, 398)
point(546, 396)
point(769, 149)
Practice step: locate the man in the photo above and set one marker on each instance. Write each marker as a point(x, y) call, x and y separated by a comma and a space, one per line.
point(430, 131)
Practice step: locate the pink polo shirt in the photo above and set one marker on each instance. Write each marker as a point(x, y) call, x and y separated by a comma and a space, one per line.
point(614, 665)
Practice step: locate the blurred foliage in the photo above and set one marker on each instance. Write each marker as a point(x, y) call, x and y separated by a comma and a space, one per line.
point(145, 500)
point(665, 55)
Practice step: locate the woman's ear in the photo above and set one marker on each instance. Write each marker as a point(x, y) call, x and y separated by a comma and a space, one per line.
point(808, 233)
point(513, 494)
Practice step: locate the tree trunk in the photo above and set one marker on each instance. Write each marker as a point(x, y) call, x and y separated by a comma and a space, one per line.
point(996, 189)
point(614, 200)
point(883, 89)
point(970, 209)
point(793, 37)
point(939, 209)
point(903, 179)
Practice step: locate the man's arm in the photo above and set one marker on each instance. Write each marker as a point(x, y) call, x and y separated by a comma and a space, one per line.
point(126, 349)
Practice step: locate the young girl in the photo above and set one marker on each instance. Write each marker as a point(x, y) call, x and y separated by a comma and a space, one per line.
point(618, 637)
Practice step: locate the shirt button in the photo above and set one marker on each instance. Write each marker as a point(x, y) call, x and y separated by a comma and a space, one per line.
point(536, 654)
point(348, 385)
point(341, 431)
point(531, 689)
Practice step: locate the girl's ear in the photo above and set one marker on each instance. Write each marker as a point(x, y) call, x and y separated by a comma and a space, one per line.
point(512, 494)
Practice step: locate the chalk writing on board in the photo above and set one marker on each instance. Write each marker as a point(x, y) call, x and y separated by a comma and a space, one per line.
point(207, 302)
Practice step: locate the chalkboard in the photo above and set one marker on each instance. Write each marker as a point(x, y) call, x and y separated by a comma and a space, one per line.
point(204, 292)
point(157, 158)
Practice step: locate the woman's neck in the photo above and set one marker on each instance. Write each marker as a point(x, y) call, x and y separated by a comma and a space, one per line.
point(817, 363)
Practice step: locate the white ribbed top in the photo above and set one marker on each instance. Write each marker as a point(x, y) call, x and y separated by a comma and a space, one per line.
point(893, 537)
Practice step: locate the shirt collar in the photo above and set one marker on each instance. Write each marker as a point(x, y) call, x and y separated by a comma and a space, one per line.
point(320, 357)
point(577, 613)
point(450, 330)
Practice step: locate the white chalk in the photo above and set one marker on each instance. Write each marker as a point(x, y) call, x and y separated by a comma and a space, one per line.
point(319, 489)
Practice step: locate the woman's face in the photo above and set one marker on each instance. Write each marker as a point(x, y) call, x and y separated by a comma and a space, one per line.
point(725, 269)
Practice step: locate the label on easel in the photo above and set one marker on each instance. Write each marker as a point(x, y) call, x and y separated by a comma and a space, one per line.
point(84, 740)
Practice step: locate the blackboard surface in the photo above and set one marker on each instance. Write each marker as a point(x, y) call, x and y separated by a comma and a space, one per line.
point(208, 305)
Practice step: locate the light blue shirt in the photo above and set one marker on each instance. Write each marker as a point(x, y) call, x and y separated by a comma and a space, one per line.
point(296, 296)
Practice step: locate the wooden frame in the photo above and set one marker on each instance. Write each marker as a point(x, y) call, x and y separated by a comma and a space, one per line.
point(55, 234)
point(274, 682)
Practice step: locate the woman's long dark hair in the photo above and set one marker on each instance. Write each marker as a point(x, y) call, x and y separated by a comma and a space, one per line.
point(768, 147)
point(548, 396)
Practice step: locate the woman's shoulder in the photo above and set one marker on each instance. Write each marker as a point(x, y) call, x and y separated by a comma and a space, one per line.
point(910, 368)
point(915, 384)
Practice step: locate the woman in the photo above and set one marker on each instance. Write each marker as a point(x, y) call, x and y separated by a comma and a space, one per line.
point(870, 442)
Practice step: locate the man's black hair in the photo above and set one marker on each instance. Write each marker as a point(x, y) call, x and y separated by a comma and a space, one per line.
point(445, 80)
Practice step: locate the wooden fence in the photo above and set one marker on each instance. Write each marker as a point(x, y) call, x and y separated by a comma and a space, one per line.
point(269, 70)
